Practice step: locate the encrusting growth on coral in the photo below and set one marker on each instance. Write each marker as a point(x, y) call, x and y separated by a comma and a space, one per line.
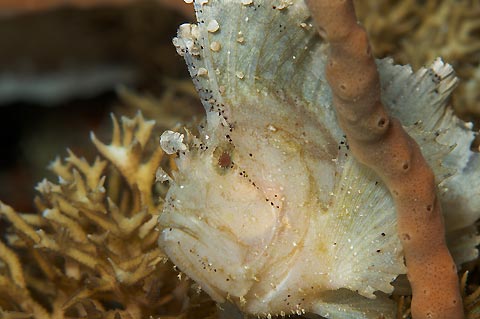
point(380, 142)
point(92, 252)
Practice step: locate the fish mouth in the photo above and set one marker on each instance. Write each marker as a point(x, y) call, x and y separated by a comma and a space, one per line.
point(207, 255)
point(174, 242)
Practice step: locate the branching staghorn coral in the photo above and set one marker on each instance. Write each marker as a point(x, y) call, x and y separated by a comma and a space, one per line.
point(380, 142)
point(92, 249)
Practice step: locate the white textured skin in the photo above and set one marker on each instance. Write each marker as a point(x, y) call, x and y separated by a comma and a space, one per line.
point(267, 208)
point(172, 142)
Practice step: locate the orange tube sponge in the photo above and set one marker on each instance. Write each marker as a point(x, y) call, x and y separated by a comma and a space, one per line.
point(380, 142)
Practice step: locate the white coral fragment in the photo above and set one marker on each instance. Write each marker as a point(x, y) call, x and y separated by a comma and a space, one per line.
point(172, 142)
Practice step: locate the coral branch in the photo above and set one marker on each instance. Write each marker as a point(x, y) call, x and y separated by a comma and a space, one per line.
point(125, 153)
point(87, 249)
point(380, 142)
point(13, 263)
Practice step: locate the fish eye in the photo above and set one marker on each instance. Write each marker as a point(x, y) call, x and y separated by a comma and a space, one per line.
point(225, 160)
point(223, 157)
